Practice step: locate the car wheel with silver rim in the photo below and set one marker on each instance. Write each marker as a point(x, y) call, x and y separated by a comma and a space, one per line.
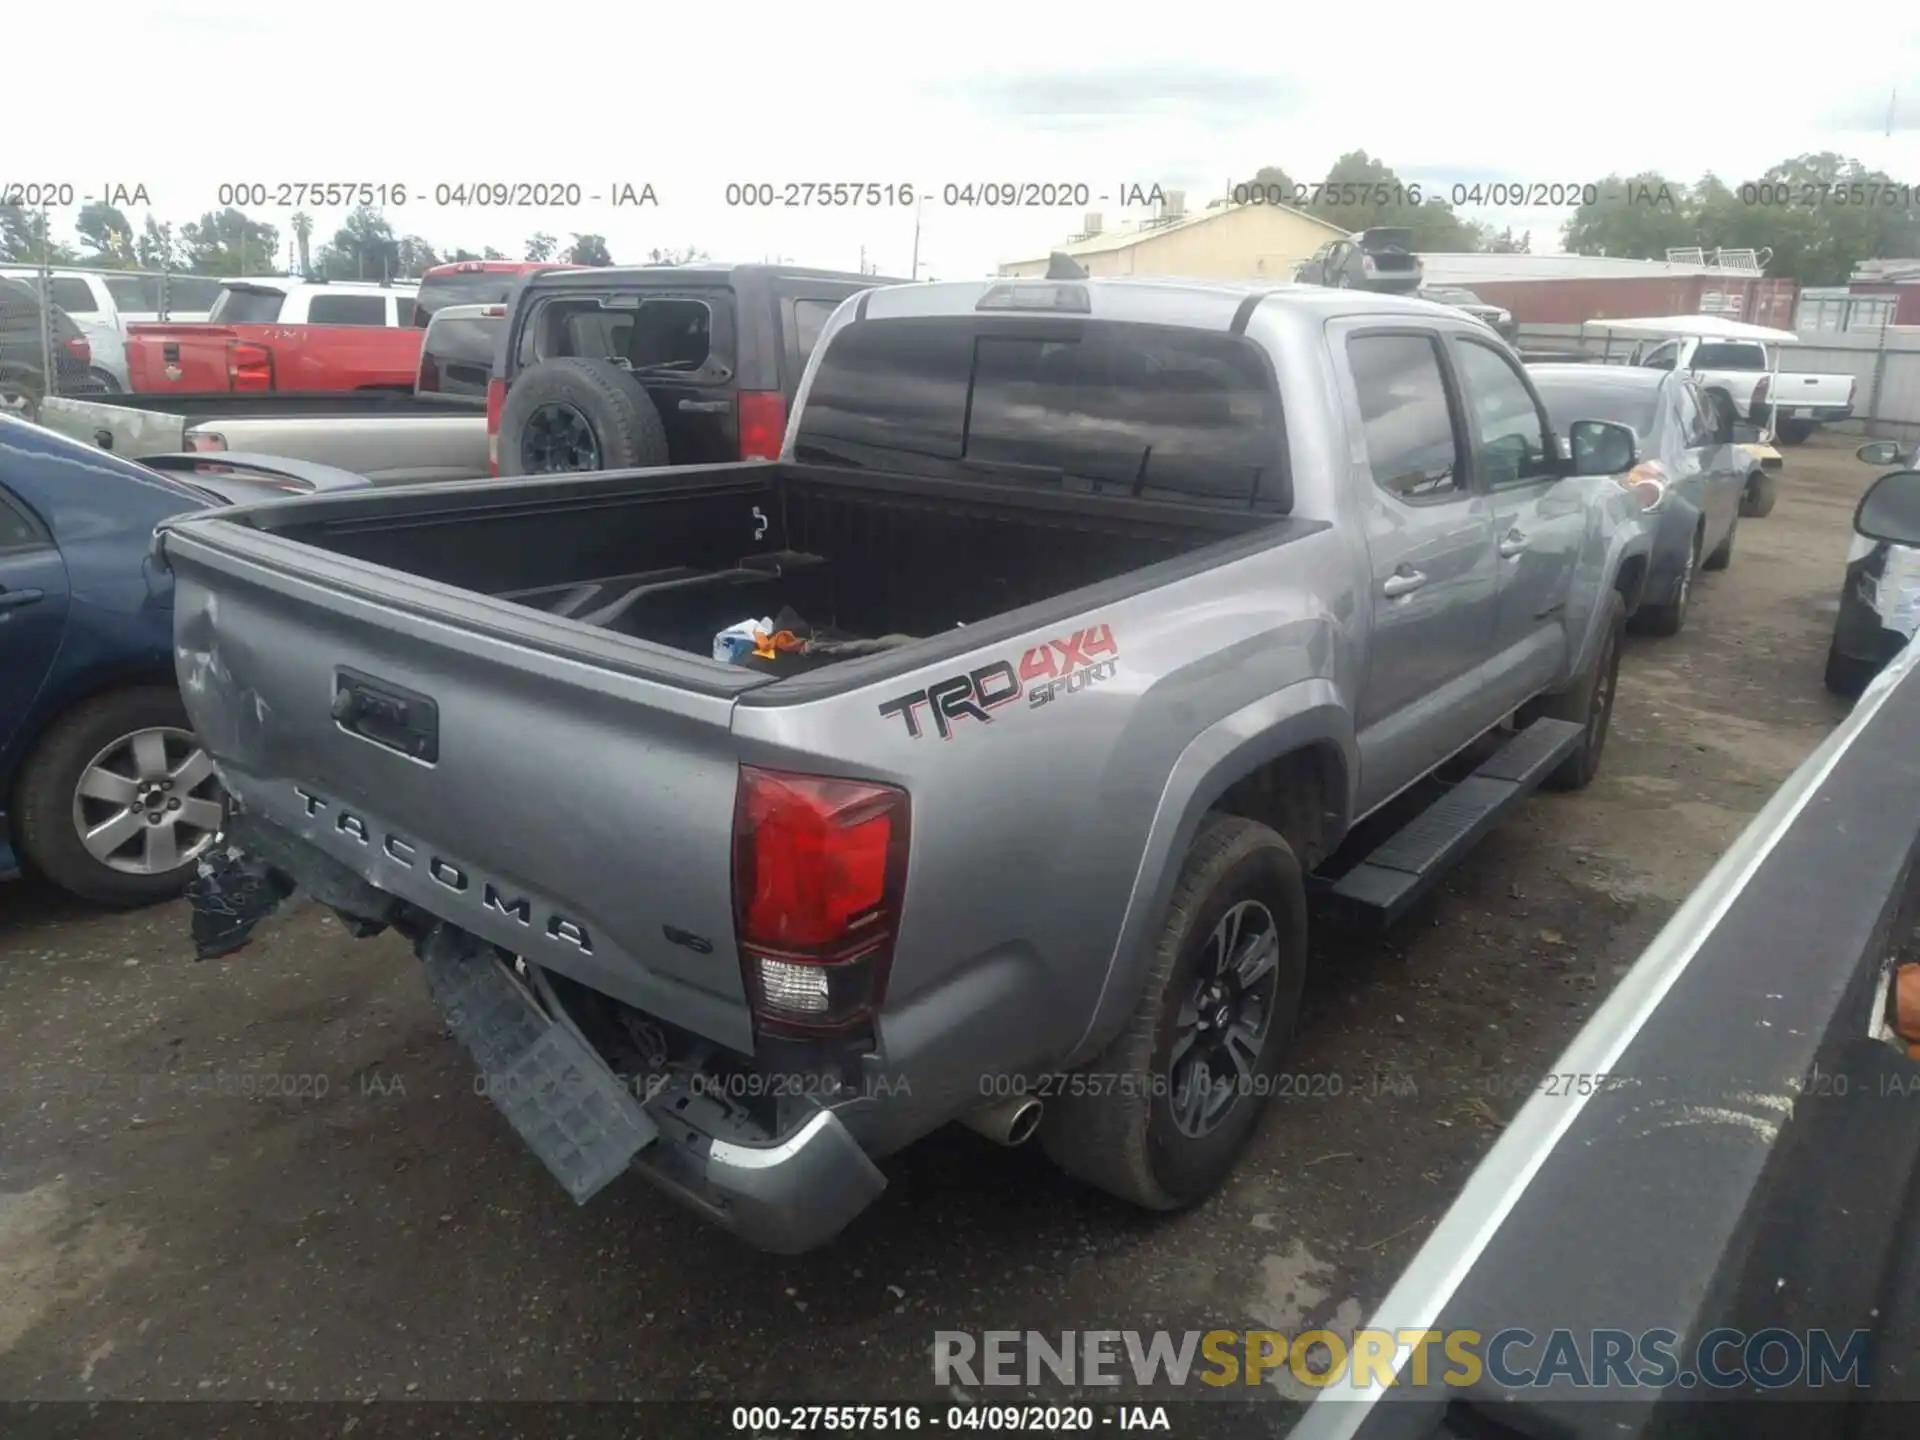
point(118, 800)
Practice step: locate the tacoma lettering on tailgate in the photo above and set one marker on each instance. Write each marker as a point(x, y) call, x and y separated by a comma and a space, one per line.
point(1045, 673)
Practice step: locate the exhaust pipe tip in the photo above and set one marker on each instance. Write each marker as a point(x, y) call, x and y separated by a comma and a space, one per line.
point(1007, 1122)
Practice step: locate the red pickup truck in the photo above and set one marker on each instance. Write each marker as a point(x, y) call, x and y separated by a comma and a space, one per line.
point(285, 334)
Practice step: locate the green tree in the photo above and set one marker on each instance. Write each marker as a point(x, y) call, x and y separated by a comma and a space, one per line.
point(227, 242)
point(541, 247)
point(589, 250)
point(416, 256)
point(685, 256)
point(108, 235)
point(26, 236)
point(156, 249)
point(1639, 216)
point(492, 254)
point(364, 248)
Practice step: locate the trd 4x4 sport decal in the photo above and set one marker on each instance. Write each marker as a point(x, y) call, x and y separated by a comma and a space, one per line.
point(1045, 674)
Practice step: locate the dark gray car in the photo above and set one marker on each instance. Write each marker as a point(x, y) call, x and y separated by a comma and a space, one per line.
point(1379, 259)
point(1689, 475)
point(1460, 298)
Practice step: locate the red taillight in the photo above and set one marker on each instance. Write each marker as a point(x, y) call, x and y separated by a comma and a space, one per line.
point(819, 866)
point(80, 349)
point(429, 378)
point(763, 424)
point(496, 402)
point(249, 366)
point(1760, 392)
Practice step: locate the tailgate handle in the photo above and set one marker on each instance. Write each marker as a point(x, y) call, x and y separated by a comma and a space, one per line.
point(389, 715)
point(706, 407)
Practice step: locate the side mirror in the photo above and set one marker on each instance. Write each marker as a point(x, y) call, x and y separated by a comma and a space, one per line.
point(1890, 510)
point(1879, 452)
point(1600, 447)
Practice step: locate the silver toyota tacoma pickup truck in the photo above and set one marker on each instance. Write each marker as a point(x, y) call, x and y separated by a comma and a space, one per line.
point(975, 761)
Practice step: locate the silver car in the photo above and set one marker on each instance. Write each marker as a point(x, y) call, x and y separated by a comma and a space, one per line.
point(1688, 473)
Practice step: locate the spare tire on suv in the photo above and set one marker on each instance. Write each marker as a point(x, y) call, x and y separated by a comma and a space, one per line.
point(575, 413)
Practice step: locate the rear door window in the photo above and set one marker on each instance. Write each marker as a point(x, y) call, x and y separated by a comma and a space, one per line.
point(1413, 448)
point(1120, 408)
point(135, 294)
point(347, 310)
point(192, 294)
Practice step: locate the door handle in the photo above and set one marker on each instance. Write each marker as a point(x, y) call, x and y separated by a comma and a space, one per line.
point(704, 407)
point(1512, 544)
point(1403, 582)
point(14, 599)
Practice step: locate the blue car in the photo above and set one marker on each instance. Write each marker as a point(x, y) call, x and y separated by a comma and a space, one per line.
point(103, 789)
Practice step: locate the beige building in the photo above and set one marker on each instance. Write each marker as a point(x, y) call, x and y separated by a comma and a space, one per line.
point(1222, 242)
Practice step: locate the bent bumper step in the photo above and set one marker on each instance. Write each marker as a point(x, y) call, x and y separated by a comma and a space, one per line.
point(560, 1097)
point(1387, 882)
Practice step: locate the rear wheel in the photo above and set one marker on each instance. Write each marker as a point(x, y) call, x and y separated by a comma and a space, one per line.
point(1722, 555)
point(118, 801)
point(1589, 704)
point(1668, 618)
point(1756, 501)
point(1795, 432)
point(1847, 675)
point(1172, 1101)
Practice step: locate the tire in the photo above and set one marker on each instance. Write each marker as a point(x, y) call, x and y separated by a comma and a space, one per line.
point(1846, 675)
point(1722, 555)
point(1126, 1139)
point(1756, 501)
point(1667, 619)
point(49, 813)
point(578, 414)
point(1589, 702)
point(106, 383)
point(1794, 432)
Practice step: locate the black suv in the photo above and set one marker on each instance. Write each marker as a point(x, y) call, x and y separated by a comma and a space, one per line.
point(22, 367)
point(617, 368)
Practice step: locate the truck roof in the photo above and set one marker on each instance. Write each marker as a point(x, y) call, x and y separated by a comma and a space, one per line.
point(600, 276)
point(1205, 304)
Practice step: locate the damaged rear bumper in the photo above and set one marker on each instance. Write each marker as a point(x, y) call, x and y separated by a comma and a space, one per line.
point(784, 1192)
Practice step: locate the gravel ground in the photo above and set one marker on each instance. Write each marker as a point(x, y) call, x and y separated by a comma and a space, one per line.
point(270, 1178)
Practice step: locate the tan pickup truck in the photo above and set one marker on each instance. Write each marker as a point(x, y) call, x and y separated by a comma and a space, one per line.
point(439, 432)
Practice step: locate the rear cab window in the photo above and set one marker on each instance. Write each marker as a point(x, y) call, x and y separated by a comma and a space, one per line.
point(1104, 406)
point(247, 305)
point(462, 287)
point(1726, 356)
point(457, 354)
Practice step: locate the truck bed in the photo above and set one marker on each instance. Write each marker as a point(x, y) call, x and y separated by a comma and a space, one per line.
point(672, 557)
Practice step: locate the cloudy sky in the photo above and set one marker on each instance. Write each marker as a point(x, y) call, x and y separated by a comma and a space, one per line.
point(192, 94)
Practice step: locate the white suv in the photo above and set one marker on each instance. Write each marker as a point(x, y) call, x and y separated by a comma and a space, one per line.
point(287, 300)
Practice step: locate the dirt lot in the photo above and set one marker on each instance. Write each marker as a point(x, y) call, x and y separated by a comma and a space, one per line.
point(373, 1228)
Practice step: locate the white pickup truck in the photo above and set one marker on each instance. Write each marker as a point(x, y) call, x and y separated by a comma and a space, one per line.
point(1743, 371)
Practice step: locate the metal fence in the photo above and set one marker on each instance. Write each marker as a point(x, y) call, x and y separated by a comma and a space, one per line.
point(1884, 362)
point(75, 345)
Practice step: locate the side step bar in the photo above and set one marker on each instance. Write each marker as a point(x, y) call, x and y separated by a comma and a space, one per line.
point(1385, 884)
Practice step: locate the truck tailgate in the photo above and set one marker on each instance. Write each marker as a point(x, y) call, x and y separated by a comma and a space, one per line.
point(571, 813)
point(118, 428)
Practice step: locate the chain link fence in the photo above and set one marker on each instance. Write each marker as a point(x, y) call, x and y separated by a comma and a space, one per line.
point(63, 325)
